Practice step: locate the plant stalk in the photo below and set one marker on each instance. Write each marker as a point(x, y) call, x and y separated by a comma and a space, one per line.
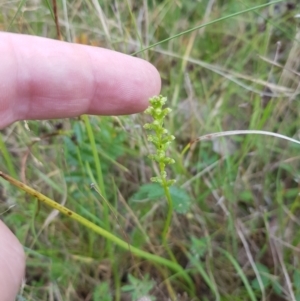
point(121, 243)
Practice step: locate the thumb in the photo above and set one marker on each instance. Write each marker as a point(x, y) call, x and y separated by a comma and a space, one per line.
point(12, 264)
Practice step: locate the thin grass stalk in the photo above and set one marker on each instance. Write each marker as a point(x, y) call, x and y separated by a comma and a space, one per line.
point(104, 233)
point(7, 158)
point(240, 273)
point(95, 154)
point(207, 24)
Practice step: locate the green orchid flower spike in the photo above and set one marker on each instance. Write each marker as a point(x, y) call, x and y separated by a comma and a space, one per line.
point(160, 138)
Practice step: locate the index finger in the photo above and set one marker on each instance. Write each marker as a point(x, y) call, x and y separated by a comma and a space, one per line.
point(44, 79)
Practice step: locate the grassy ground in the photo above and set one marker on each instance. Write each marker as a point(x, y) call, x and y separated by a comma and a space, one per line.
point(237, 231)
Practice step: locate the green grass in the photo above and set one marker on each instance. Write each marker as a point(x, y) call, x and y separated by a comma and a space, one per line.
point(238, 236)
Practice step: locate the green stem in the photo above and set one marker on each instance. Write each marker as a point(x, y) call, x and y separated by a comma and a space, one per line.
point(168, 223)
point(110, 237)
point(169, 213)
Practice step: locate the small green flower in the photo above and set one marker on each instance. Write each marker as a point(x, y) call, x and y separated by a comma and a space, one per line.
point(160, 137)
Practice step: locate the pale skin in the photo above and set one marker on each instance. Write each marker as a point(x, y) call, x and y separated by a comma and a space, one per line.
point(45, 79)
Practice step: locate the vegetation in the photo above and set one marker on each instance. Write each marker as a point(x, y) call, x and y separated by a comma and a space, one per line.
point(234, 233)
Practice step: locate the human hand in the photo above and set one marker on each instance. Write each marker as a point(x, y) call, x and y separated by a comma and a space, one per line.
point(44, 79)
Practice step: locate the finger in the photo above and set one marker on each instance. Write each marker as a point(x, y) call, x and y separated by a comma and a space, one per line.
point(12, 264)
point(43, 79)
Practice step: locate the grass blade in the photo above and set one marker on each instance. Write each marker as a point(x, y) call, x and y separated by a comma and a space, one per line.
point(21, 4)
point(241, 274)
point(207, 24)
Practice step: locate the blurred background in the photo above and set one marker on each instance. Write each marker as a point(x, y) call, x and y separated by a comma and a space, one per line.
point(236, 201)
